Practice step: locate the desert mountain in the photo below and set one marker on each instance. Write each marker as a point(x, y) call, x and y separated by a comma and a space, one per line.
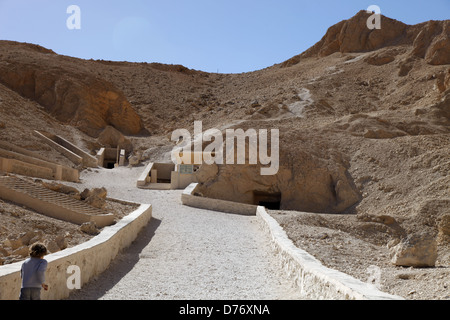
point(363, 116)
point(429, 40)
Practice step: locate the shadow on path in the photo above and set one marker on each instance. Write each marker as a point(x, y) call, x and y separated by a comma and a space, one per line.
point(119, 267)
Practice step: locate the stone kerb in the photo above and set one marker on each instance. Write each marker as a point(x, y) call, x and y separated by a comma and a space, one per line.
point(64, 151)
point(88, 160)
point(314, 280)
point(92, 257)
point(144, 178)
point(68, 149)
point(35, 167)
point(189, 198)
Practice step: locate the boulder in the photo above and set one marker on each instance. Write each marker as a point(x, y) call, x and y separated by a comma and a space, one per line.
point(134, 159)
point(89, 228)
point(95, 197)
point(22, 251)
point(447, 80)
point(61, 241)
point(52, 246)
point(12, 243)
point(113, 138)
point(379, 59)
point(416, 250)
point(17, 241)
point(4, 252)
point(38, 236)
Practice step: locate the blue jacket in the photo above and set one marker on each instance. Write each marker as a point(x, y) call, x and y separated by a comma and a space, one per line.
point(33, 272)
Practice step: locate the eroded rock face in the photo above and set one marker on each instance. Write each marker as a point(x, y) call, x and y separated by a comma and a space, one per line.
point(311, 187)
point(113, 138)
point(353, 35)
point(429, 41)
point(77, 98)
point(433, 43)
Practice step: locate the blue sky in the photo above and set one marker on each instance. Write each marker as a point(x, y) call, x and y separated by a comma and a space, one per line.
point(226, 36)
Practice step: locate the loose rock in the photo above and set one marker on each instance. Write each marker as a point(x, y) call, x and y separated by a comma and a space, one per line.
point(416, 250)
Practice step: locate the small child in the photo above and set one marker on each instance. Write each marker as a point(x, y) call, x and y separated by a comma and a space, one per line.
point(33, 273)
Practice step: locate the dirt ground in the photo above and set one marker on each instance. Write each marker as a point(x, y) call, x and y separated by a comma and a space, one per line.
point(343, 242)
point(17, 221)
point(359, 248)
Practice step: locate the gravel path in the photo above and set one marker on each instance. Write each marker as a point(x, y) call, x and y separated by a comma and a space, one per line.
point(186, 253)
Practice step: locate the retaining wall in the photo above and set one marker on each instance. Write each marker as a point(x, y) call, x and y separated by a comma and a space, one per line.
point(153, 171)
point(92, 257)
point(313, 279)
point(25, 169)
point(69, 150)
point(11, 147)
point(22, 164)
point(189, 198)
point(144, 178)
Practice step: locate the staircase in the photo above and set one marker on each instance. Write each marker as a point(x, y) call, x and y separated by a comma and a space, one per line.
point(51, 203)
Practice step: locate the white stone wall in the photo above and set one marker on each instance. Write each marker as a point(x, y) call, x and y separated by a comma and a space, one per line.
point(188, 198)
point(92, 257)
point(314, 280)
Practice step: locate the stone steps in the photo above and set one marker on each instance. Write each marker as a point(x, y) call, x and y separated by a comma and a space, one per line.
point(51, 203)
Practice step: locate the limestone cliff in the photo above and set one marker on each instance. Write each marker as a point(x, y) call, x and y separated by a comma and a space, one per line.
point(429, 40)
point(75, 97)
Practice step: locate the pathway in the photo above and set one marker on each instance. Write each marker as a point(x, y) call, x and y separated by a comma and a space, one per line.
point(186, 253)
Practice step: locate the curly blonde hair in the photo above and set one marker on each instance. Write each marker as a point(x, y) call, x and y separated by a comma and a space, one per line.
point(38, 250)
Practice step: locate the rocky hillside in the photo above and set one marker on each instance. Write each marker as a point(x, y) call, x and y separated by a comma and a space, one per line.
point(363, 115)
point(69, 93)
point(429, 40)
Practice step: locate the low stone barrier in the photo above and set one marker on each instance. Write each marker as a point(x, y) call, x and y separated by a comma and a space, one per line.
point(69, 150)
point(144, 178)
point(25, 169)
point(14, 162)
point(92, 258)
point(314, 280)
point(189, 198)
